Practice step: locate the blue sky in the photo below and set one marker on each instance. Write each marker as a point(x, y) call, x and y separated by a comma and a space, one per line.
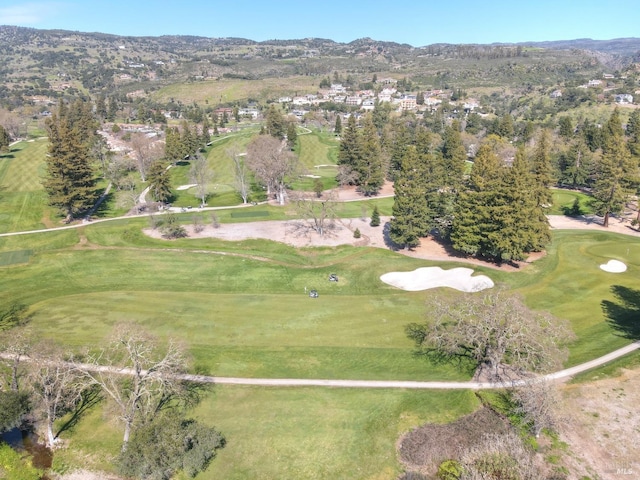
point(416, 22)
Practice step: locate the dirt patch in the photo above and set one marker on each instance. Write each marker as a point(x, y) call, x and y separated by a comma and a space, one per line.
point(423, 449)
point(603, 427)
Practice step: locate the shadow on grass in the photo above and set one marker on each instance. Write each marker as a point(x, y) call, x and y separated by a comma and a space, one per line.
point(90, 398)
point(623, 314)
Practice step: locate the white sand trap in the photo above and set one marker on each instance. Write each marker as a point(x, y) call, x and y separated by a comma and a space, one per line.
point(432, 277)
point(614, 266)
point(186, 187)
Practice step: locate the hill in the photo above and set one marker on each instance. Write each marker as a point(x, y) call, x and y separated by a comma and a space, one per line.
point(55, 63)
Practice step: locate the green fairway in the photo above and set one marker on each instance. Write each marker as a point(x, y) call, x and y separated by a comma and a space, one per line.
point(563, 202)
point(22, 197)
point(241, 310)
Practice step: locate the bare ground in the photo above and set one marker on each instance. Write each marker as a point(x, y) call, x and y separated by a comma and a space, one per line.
point(603, 427)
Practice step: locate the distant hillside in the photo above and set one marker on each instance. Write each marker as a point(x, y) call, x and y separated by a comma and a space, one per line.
point(54, 63)
point(625, 47)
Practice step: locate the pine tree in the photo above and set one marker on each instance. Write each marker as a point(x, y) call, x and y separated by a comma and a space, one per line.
point(369, 167)
point(542, 171)
point(275, 122)
point(633, 131)
point(292, 135)
point(411, 213)
point(173, 146)
point(338, 127)
point(350, 150)
point(375, 217)
point(5, 140)
point(112, 109)
point(454, 156)
point(70, 181)
point(159, 182)
point(614, 175)
point(473, 218)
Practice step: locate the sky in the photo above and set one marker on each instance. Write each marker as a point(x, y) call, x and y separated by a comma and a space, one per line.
point(416, 22)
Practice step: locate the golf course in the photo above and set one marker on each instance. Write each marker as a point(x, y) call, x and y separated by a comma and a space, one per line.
point(241, 309)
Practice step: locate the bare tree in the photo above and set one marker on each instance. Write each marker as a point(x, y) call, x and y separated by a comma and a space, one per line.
point(16, 345)
point(141, 378)
point(537, 402)
point(242, 180)
point(494, 329)
point(56, 384)
point(319, 212)
point(272, 163)
point(500, 456)
point(347, 176)
point(145, 151)
point(130, 198)
point(201, 174)
point(12, 123)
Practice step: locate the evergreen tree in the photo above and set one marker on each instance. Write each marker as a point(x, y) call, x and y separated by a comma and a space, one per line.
point(5, 140)
point(615, 172)
point(70, 181)
point(574, 164)
point(275, 122)
point(410, 212)
point(101, 106)
point(338, 127)
point(542, 171)
point(205, 136)
point(454, 156)
point(375, 217)
point(159, 182)
point(565, 127)
point(292, 135)
point(350, 150)
point(173, 145)
point(473, 217)
point(633, 131)
point(369, 166)
point(112, 109)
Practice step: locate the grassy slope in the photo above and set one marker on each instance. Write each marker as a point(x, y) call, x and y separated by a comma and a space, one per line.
point(22, 198)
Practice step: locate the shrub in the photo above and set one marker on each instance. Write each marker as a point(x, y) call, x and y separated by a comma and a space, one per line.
point(171, 228)
point(449, 470)
point(375, 217)
point(356, 233)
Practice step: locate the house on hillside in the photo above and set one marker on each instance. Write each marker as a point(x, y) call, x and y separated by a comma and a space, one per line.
point(624, 98)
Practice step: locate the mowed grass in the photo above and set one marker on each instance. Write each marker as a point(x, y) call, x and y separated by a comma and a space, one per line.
point(563, 201)
point(22, 197)
point(570, 284)
point(316, 433)
point(241, 309)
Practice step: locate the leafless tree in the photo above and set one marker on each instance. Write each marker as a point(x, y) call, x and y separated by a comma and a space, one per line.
point(500, 456)
point(145, 150)
point(141, 377)
point(13, 124)
point(493, 329)
point(129, 197)
point(272, 163)
point(242, 180)
point(15, 346)
point(56, 383)
point(346, 175)
point(319, 212)
point(201, 174)
point(538, 403)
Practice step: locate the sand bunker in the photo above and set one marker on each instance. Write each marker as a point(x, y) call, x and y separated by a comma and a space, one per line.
point(186, 187)
point(614, 266)
point(432, 277)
